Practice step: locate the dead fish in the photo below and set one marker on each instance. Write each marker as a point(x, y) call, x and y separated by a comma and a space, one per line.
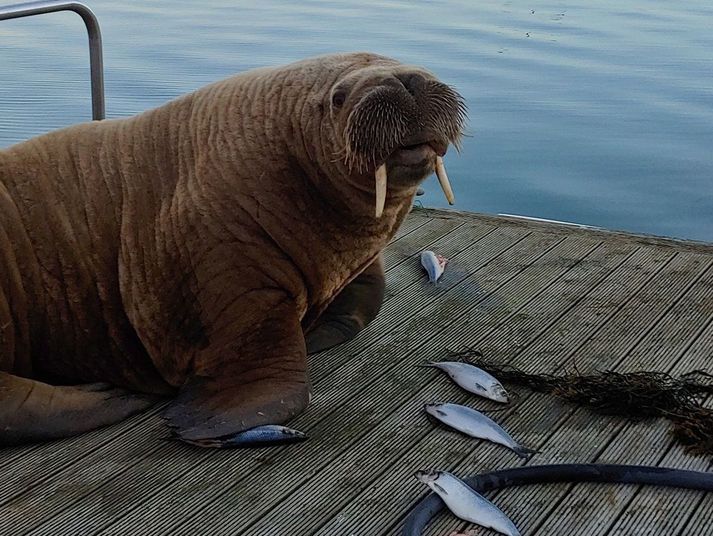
point(475, 424)
point(466, 503)
point(433, 264)
point(473, 379)
point(267, 435)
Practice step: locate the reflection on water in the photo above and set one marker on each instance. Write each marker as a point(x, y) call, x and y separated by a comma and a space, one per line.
point(599, 114)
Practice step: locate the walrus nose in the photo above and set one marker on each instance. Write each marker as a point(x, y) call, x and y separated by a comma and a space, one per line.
point(413, 82)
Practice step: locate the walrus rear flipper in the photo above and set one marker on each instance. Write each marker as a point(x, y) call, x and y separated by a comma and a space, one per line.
point(34, 411)
point(257, 380)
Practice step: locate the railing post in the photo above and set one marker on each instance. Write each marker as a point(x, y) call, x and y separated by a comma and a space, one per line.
point(96, 62)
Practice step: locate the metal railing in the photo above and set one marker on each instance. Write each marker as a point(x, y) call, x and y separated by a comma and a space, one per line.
point(96, 63)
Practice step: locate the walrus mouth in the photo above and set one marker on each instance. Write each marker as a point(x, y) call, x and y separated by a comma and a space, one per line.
point(409, 125)
point(414, 154)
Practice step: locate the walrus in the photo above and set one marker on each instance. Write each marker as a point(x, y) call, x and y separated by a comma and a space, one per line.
point(200, 250)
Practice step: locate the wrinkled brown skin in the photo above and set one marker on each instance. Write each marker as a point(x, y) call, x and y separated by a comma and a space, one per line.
point(184, 252)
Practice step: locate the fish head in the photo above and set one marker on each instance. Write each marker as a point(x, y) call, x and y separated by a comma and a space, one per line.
point(427, 477)
point(499, 394)
point(292, 434)
point(429, 261)
point(433, 408)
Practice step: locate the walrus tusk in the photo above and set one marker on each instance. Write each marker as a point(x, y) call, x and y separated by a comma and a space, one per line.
point(380, 189)
point(443, 179)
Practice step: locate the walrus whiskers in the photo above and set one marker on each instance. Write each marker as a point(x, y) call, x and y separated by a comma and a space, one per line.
point(386, 120)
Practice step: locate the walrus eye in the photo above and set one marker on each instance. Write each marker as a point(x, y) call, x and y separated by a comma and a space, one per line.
point(338, 98)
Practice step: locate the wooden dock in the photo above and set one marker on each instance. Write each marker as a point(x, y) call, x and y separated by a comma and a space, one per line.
point(539, 296)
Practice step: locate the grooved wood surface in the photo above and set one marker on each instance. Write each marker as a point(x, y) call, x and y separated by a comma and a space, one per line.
point(543, 297)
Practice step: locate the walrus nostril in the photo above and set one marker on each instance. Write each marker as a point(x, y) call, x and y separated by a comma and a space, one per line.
point(413, 82)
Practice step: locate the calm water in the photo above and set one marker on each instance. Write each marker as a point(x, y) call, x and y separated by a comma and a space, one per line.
point(598, 114)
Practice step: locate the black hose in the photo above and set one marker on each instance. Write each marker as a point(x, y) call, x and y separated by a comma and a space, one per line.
point(428, 507)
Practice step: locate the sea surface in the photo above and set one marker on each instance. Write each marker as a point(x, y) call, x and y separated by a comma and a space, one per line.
point(596, 112)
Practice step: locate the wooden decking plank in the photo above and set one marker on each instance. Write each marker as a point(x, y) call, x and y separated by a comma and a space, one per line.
point(537, 299)
point(671, 244)
point(419, 293)
point(701, 521)
point(367, 469)
point(590, 509)
point(409, 271)
point(8, 455)
point(413, 243)
point(619, 282)
point(601, 499)
point(569, 449)
point(414, 220)
point(611, 300)
point(395, 490)
point(332, 395)
point(699, 356)
point(521, 287)
point(72, 483)
point(679, 505)
point(589, 311)
point(664, 509)
point(535, 247)
point(47, 459)
point(683, 320)
point(649, 439)
point(585, 274)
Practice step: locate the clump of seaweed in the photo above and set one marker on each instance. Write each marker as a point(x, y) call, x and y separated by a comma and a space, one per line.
point(635, 395)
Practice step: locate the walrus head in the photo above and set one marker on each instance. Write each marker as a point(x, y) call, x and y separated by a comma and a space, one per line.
point(391, 124)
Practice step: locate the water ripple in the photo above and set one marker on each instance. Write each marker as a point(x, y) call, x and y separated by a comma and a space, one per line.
point(599, 113)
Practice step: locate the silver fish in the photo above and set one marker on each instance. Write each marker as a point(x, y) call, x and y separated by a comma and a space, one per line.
point(473, 379)
point(475, 424)
point(434, 265)
point(467, 504)
point(266, 435)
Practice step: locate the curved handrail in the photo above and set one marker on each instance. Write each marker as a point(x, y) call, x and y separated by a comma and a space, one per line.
point(96, 62)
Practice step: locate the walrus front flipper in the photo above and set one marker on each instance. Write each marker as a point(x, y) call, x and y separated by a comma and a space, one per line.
point(351, 311)
point(260, 378)
point(33, 411)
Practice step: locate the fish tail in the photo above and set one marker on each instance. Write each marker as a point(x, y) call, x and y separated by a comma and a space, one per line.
point(526, 453)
